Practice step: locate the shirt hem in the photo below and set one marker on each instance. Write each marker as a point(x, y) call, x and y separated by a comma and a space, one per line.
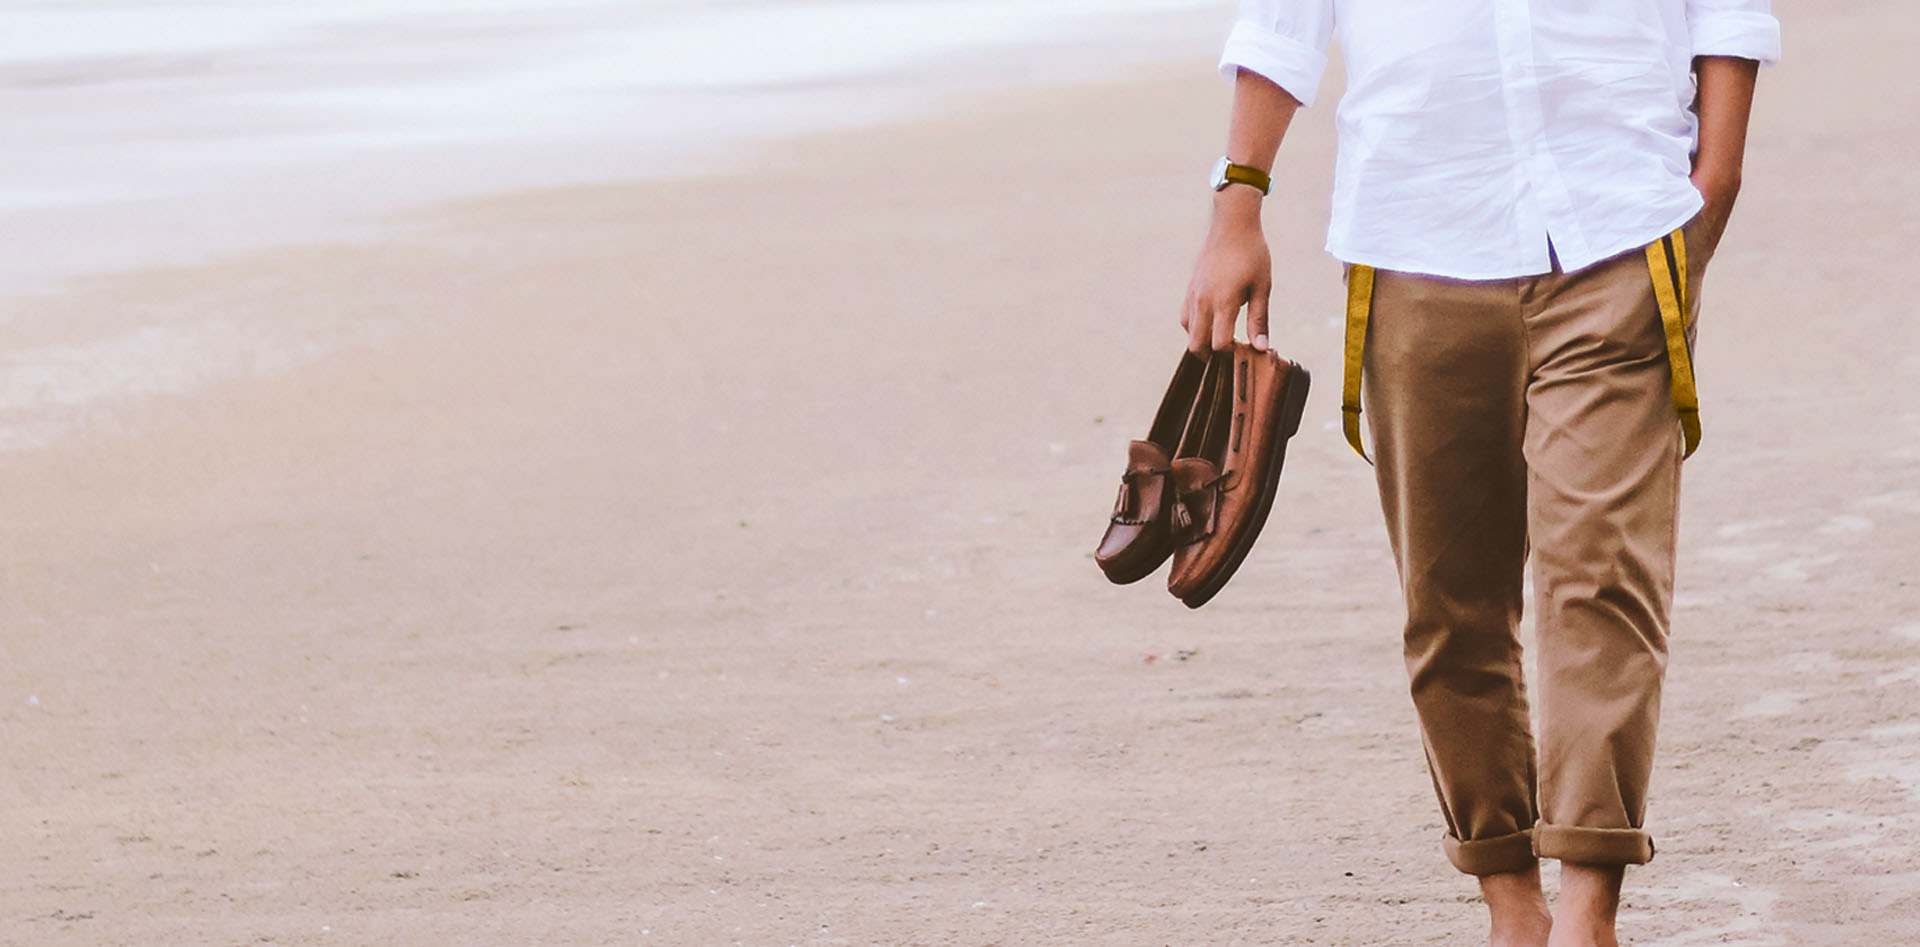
point(1387, 261)
point(1639, 242)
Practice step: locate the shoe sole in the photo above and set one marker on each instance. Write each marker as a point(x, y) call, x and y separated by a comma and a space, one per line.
point(1293, 404)
point(1121, 576)
point(1124, 575)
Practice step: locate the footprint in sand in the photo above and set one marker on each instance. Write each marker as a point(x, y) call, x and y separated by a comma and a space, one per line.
point(1844, 524)
point(1743, 527)
point(1902, 501)
point(1797, 570)
point(1776, 704)
point(1742, 912)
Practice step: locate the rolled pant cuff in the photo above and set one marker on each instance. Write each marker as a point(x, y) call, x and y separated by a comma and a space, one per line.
point(1592, 846)
point(1492, 856)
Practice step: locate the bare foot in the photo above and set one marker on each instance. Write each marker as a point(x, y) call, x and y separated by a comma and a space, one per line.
point(1518, 908)
point(1589, 901)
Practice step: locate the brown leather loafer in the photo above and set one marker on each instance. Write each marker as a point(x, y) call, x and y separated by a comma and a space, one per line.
point(1224, 490)
point(1138, 540)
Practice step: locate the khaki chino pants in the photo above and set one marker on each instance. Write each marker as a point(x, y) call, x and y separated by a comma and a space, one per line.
point(1515, 413)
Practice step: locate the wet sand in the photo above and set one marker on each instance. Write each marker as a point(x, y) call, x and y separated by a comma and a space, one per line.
point(704, 561)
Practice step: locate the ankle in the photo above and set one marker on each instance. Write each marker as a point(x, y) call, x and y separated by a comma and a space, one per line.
point(1531, 931)
point(1518, 909)
point(1582, 932)
point(1589, 902)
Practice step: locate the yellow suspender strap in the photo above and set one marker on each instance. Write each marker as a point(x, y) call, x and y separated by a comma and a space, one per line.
point(1359, 307)
point(1667, 264)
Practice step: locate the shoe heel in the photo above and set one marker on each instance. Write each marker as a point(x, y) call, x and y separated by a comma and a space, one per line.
point(1296, 400)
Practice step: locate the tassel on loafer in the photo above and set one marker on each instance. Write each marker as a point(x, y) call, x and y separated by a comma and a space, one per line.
point(1139, 537)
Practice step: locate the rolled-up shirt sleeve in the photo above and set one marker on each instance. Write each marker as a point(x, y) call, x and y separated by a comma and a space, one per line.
point(1283, 40)
point(1742, 28)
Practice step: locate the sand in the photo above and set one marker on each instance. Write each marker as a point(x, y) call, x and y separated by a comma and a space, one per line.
point(704, 561)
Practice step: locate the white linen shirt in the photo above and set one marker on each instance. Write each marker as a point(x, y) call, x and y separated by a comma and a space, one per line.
point(1475, 132)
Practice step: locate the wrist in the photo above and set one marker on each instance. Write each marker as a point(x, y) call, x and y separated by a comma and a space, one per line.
point(1717, 182)
point(1237, 203)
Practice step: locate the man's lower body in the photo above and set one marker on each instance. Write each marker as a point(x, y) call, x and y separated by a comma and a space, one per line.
point(1536, 414)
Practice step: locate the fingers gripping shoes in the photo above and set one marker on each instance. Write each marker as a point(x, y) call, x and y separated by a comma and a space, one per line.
point(1138, 538)
point(1225, 483)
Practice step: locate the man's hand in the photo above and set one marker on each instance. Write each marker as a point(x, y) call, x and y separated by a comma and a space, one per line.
point(1234, 270)
point(1719, 191)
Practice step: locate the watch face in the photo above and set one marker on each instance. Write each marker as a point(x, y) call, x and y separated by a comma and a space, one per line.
point(1219, 180)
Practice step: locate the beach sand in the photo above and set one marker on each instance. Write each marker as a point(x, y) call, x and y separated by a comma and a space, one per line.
point(705, 561)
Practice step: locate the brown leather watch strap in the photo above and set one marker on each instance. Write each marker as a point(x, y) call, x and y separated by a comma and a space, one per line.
point(1243, 174)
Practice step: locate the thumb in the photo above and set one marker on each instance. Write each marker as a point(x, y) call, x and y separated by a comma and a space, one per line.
point(1257, 316)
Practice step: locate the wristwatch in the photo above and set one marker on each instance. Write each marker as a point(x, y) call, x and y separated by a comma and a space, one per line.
point(1225, 172)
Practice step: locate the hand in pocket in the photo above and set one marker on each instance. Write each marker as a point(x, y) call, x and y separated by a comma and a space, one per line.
point(1707, 227)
